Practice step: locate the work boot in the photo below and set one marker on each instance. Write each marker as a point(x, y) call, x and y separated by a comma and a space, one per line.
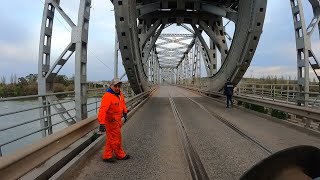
point(109, 160)
point(125, 158)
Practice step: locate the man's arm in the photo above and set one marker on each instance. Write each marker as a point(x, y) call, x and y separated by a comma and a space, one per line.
point(104, 106)
point(125, 110)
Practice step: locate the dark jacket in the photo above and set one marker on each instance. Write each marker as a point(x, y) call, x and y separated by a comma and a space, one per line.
point(228, 89)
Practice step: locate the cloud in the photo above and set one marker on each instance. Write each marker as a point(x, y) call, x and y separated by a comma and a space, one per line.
point(19, 39)
point(17, 52)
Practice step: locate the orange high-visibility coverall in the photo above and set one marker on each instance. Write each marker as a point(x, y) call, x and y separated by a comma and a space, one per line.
point(111, 110)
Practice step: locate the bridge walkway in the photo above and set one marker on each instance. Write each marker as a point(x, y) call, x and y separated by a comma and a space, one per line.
point(153, 139)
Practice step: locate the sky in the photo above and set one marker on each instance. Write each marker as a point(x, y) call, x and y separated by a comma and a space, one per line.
point(20, 34)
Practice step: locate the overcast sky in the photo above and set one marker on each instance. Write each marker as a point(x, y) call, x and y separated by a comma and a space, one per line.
point(20, 33)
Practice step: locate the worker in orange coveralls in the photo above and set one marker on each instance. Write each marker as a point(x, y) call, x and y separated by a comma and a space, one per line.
point(112, 109)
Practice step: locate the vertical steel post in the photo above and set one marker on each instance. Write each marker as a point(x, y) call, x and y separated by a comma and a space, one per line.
point(80, 38)
point(44, 64)
point(116, 57)
point(303, 46)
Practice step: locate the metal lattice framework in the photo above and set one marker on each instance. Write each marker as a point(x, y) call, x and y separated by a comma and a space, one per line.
point(305, 54)
point(47, 73)
point(148, 57)
point(139, 25)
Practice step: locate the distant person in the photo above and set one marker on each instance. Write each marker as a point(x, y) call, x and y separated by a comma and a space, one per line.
point(112, 109)
point(228, 91)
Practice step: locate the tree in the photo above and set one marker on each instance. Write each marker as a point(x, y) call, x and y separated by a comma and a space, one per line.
point(32, 78)
point(3, 80)
point(58, 87)
point(31, 89)
point(13, 79)
point(17, 91)
point(63, 79)
point(22, 81)
point(2, 89)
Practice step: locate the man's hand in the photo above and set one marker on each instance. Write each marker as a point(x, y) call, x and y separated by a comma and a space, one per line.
point(102, 128)
point(125, 117)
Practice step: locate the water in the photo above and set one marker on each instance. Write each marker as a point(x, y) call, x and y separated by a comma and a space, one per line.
point(10, 120)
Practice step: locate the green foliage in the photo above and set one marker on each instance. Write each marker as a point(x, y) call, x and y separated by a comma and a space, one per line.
point(246, 105)
point(22, 81)
point(279, 114)
point(31, 78)
point(257, 108)
point(99, 85)
point(28, 85)
point(70, 87)
point(17, 91)
point(2, 91)
point(62, 79)
point(31, 89)
point(270, 80)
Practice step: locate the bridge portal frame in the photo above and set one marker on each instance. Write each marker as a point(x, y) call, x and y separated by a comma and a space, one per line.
point(138, 21)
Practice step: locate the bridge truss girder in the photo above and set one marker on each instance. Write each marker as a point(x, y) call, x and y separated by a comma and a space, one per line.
point(305, 55)
point(139, 22)
point(47, 73)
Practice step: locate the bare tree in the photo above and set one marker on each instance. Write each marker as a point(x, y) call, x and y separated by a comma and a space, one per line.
point(3, 80)
point(13, 79)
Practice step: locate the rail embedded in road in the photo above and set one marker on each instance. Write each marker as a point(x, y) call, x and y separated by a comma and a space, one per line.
point(309, 115)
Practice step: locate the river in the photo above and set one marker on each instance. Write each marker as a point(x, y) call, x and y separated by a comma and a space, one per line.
point(10, 120)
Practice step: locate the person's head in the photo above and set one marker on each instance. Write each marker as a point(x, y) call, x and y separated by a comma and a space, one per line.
point(116, 85)
point(229, 79)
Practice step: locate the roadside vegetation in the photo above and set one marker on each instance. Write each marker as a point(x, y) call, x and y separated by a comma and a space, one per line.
point(28, 85)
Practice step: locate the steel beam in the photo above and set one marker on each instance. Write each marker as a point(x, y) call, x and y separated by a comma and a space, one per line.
point(248, 16)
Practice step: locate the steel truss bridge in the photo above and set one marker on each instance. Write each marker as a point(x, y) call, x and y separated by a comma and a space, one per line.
point(152, 56)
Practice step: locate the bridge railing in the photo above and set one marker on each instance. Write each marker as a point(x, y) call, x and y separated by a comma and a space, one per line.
point(305, 117)
point(14, 125)
point(287, 93)
point(60, 148)
point(15, 129)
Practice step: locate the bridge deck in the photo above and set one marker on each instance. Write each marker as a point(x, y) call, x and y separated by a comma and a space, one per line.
point(151, 137)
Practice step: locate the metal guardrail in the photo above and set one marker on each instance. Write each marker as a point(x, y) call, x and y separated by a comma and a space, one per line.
point(14, 165)
point(286, 93)
point(92, 93)
point(308, 115)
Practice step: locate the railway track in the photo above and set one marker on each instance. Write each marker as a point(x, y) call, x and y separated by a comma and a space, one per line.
point(231, 125)
point(196, 167)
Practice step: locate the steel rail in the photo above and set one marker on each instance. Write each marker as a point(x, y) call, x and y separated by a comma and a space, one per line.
point(231, 126)
point(196, 167)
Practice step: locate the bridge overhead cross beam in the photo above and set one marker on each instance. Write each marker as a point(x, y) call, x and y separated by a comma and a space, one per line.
point(248, 16)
